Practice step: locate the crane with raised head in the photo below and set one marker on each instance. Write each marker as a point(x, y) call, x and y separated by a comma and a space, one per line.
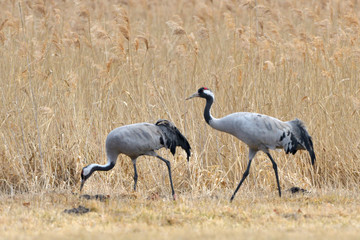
point(137, 140)
point(260, 132)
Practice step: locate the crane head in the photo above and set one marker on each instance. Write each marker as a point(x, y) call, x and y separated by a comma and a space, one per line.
point(85, 174)
point(202, 92)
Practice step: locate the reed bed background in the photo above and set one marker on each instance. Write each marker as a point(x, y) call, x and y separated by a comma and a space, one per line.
point(71, 71)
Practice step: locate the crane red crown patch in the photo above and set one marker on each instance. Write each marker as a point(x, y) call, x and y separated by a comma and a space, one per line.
point(205, 88)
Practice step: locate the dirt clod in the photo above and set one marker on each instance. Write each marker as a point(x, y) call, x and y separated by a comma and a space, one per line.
point(78, 210)
point(297, 190)
point(99, 197)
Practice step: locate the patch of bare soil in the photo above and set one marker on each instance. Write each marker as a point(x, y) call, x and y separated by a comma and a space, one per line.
point(78, 210)
point(99, 197)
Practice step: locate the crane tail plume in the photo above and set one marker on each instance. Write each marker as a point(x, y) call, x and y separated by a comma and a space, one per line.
point(303, 138)
point(173, 137)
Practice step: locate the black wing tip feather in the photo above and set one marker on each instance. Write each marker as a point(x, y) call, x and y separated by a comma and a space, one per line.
point(311, 151)
point(313, 158)
point(177, 139)
point(305, 138)
point(309, 145)
point(312, 155)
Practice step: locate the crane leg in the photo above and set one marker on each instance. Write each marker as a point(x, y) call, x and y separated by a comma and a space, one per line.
point(169, 168)
point(135, 173)
point(252, 154)
point(246, 173)
point(276, 172)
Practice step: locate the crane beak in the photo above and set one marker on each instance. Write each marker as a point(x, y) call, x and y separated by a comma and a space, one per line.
point(82, 184)
point(192, 96)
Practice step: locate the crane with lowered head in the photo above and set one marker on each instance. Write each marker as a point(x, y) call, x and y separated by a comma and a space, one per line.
point(136, 140)
point(260, 132)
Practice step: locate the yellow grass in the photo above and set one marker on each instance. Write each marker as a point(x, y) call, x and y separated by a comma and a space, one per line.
point(329, 215)
point(73, 71)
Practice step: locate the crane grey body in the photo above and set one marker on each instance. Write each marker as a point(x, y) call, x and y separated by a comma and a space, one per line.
point(137, 140)
point(260, 132)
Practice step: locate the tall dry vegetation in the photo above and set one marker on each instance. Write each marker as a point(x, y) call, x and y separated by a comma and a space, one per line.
point(71, 72)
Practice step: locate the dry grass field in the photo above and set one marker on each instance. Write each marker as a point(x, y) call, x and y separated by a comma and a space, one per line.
point(71, 71)
point(331, 215)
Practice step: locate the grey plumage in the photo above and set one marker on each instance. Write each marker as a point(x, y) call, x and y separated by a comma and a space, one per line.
point(259, 132)
point(136, 140)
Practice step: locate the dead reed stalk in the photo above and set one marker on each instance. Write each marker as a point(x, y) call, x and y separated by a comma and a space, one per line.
point(114, 64)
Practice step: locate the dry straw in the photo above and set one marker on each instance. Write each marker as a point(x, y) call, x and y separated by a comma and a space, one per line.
point(72, 72)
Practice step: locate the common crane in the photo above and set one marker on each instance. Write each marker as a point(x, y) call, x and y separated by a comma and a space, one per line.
point(259, 132)
point(136, 140)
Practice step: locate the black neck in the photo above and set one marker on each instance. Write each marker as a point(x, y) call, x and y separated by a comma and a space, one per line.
point(107, 167)
point(207, 115)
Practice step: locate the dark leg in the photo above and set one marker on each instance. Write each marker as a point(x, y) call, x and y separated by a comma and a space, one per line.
point(276, 172)
point(169, 168)
point(246, 173)
point(135, 173)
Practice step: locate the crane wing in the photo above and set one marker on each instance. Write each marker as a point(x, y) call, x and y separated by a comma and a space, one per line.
point(303, 138)
point(173, 137)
